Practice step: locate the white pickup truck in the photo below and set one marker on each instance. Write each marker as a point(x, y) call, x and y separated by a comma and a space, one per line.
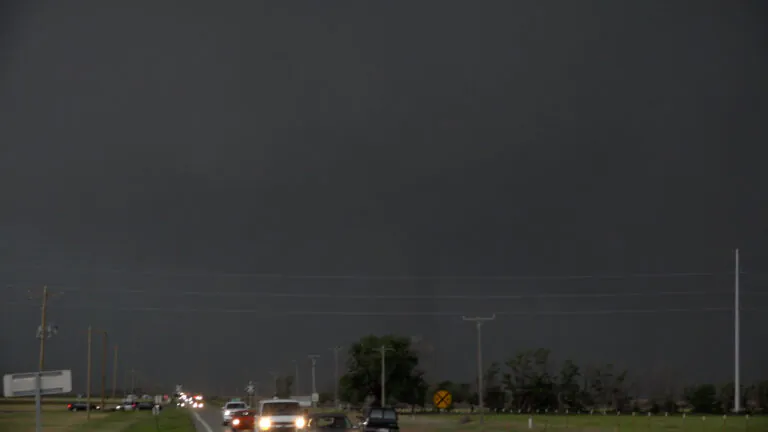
point(281, 415)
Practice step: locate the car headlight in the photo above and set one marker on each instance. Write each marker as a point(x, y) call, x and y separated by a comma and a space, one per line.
point(265, 423)
point(200, 405)
point(227, 412)
point(300, 422)
point(235, 422)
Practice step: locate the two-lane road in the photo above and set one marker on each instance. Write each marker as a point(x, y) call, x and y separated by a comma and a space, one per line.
point(208, 419)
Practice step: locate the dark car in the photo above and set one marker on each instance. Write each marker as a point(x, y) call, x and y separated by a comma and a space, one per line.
point(81, 406)
point(147, 405)
point(125, 406)
point(333, 421)
point(380, 420)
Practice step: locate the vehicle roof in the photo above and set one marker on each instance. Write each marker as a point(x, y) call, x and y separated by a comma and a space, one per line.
point(266, 401)
point(328, 414)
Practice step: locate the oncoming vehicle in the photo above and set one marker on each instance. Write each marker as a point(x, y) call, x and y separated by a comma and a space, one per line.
point(197, 402)
point(281, 415)
point(229, 409)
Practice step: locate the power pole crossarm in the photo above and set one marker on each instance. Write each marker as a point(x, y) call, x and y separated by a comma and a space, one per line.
point(479, 325)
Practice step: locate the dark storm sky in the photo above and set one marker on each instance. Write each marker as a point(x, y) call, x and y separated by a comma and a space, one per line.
point(154, 154)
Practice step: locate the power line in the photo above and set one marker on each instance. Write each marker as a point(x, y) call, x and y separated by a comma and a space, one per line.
point(271, 313)
point(379, 277)
point(266, 294)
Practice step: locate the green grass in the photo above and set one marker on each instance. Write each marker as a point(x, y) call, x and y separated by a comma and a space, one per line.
point(53, 400)
point(584, 423)
point(170, 419)
point(65, 421)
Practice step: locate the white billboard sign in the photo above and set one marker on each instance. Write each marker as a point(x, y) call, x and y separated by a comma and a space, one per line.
point(51, 382)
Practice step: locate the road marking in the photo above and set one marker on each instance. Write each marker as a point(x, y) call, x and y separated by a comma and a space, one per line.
point(202, 422)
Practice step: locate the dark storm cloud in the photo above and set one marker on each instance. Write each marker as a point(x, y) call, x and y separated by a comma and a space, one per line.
point(381, 139)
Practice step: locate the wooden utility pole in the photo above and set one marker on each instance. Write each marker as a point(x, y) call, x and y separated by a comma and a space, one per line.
point(42, 328)
point(103, 368)
point(88, 384)
point(383, 350)
point(114, 373)
point(336, 350)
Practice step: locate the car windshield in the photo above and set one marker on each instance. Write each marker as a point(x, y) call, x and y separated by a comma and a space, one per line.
point(236, 405)
point(281, 408)
point(386, 414)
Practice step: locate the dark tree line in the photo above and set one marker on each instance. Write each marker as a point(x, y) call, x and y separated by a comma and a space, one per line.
point(527, 382)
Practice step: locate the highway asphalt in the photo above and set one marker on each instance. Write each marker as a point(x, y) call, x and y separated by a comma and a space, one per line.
point(208, 419)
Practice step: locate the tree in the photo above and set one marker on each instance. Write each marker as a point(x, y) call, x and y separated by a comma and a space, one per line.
point(725, 398)
point(284, 386)
point(494, 394)
point(703, 398)
point(607, 388)
point(404, 383)
point(568, 387)
point(529, 380)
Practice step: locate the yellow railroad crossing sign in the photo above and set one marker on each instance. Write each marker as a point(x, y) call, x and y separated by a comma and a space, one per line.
point(442, 399)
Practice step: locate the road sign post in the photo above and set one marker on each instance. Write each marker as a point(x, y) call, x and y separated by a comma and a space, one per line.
point(37, 384)
point(442, 399)
point(38, 404)
point(251, 390)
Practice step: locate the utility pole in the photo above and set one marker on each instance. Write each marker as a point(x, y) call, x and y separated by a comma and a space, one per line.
point(336, 350)
point(383, 350)
point(114, 373)
point(38, 378)
point(313, 358)
point(479, 325)
point(42, 328)
point(736, 339)
point(103, 367)
point(274, 378)
point(88, 384)
point(296, 387)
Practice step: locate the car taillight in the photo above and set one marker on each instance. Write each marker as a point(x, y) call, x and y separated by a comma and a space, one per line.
point(69, 405)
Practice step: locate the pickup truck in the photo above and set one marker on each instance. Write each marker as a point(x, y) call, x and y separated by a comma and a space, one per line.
point(379, 420)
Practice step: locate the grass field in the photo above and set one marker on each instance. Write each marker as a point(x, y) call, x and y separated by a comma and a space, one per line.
point(171, 420)
point(55, 419)
point(584, 423)
point(51, 400)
